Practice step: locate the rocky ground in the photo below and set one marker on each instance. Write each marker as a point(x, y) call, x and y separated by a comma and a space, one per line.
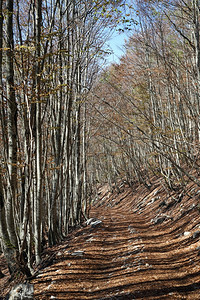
point(147, 246)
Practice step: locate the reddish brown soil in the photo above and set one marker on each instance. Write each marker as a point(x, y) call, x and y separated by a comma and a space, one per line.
point(130, 256)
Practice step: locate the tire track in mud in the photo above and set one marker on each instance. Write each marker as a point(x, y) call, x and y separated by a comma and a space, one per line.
point(131, 255)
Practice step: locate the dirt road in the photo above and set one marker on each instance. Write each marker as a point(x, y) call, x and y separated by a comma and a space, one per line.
point(147, 247)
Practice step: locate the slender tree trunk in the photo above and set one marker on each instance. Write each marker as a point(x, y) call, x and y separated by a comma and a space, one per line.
point(11, 127)
point(70, 67)
point(38, 151)
point(195, 4)
point(6, 245)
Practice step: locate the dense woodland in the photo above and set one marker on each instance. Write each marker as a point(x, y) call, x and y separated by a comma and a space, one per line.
point(145, 110)
point(67, 126)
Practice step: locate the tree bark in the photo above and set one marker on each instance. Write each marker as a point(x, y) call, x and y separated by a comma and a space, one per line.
point(38, 137)
point(11, 127)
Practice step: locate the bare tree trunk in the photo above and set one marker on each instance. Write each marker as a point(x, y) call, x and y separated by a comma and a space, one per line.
point(70, 67)
point(195, 4)
point(11, 128)
point(7, 245)
point(38, 137)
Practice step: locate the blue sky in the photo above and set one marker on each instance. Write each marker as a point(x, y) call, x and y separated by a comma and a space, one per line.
point(117, 40)
point(116, 44)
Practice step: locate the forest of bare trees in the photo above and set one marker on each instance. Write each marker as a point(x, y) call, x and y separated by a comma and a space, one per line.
point(148, 105)
point(67, 126)
point(49, 58)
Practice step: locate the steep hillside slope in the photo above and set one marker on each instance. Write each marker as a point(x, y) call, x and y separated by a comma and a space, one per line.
point(147, 247)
